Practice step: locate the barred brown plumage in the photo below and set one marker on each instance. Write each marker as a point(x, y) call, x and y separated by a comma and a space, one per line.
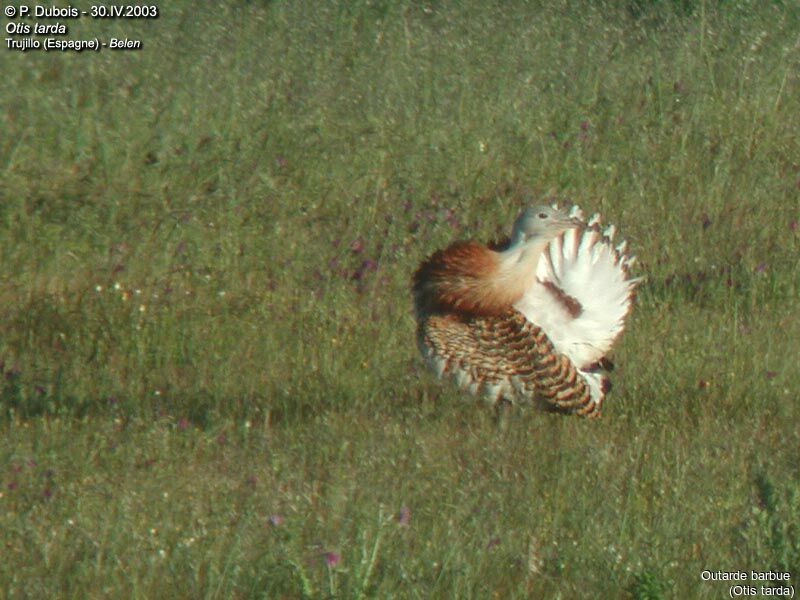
point(531, 323)
point(504, 357)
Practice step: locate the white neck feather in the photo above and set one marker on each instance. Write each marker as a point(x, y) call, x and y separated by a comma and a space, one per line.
point(518, 264)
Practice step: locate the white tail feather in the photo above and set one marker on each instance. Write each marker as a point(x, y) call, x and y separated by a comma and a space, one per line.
point(582, 293)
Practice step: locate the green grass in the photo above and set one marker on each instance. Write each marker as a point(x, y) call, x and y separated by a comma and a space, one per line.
point(210, 386)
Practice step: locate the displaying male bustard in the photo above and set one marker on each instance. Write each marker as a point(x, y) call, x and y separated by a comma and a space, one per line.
point(529, 321)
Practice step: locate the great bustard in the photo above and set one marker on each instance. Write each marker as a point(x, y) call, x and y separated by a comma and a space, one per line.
point(529, 321)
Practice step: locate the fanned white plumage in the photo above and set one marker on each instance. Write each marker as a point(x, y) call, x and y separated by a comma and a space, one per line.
point(581, 294)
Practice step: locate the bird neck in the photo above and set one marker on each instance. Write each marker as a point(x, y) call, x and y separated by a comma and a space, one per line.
point(516, 270)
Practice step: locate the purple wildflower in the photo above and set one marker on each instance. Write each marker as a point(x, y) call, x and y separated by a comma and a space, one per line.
point(404, 516)
point(332, 559)
point(451, 218)
point(12, 373)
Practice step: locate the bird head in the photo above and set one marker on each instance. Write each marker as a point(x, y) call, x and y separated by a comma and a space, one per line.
point(541, 224)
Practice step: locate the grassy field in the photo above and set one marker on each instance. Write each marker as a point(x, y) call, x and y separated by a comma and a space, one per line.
point(209, 384)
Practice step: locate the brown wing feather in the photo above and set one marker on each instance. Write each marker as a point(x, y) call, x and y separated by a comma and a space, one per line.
point(504, 356)
point(458, 279)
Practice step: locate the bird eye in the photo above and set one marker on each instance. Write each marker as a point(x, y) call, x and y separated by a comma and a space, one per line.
point(542, 215)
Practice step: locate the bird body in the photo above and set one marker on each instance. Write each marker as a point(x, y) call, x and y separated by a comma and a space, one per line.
point(528, 322)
